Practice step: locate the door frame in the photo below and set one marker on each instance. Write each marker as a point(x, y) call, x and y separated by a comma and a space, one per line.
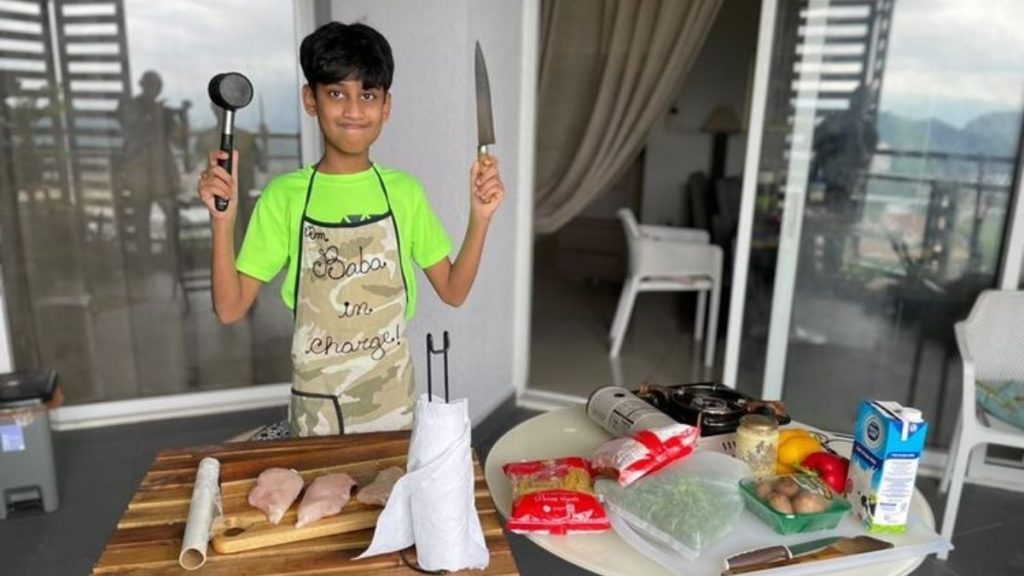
point(1013, 249)
point(523, 265)
point(6, 356)
point(751, 167)
point(796, 185)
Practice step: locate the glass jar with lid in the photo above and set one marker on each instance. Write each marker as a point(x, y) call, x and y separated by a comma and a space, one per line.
point(757, 443)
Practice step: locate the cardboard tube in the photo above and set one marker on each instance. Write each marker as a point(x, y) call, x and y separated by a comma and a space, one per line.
point(202, 511)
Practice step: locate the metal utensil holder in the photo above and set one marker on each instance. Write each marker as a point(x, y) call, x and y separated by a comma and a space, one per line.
point(443, 351)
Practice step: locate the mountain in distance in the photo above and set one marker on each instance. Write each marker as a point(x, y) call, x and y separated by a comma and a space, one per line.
point(1002, 128)
point(991, 134)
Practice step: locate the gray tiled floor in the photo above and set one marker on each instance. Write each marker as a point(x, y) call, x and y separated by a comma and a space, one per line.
point(571, 320)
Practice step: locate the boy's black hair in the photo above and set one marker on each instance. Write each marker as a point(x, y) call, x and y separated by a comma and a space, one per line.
point(336, 52)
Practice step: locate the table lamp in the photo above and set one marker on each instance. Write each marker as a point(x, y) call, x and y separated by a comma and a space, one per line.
point(720, 123)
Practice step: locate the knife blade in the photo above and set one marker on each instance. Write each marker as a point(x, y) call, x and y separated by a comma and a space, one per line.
point(838, 549)
point(484, 113)
point(776, 553)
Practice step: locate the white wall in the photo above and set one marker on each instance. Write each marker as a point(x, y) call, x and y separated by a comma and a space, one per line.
point(676, 147)
point(432, 135)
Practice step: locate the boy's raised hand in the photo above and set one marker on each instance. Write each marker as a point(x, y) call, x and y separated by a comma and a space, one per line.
point(215, 181)
point(486, 189)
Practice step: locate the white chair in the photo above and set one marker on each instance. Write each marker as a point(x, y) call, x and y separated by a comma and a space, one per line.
point(670, 259)
point(990, 341)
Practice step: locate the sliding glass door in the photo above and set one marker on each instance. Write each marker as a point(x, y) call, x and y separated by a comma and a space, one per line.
point(104, 127)
point(886, 158)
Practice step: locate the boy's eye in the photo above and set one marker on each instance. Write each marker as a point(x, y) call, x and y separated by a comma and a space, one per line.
point(334, 93)
point(368, 96)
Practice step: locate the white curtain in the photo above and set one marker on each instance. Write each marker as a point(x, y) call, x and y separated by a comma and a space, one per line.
point(609, 69)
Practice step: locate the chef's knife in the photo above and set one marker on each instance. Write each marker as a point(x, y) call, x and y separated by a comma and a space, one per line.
point(484, 114)
point(776, 553)
point(841, 547)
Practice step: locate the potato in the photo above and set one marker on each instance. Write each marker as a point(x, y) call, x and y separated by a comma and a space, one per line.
point(780, 503)
point(764, 489)
point(787, 486)
point(809, 503)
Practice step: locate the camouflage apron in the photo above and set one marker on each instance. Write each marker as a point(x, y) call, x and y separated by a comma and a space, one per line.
point(352, 371)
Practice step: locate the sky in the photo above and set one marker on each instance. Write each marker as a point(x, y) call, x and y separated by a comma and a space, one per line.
point(955, 59)
point(189, 41)
point(949, 59)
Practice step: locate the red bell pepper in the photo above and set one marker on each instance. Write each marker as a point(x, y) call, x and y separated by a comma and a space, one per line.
point(831, 468)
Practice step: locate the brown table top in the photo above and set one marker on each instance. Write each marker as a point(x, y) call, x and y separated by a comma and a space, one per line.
point(148, 537)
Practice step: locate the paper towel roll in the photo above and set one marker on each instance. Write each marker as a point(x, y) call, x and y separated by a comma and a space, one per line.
point(202, 511)
point(433, 505)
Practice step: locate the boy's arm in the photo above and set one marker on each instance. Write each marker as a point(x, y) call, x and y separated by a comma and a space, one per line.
point(452, 281)
point(233, 292)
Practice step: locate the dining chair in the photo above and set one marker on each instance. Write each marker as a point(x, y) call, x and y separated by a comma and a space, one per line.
point(990, 341)
point(670, 259)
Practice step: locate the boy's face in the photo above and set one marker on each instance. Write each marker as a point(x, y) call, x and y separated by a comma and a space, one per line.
point(350, 116)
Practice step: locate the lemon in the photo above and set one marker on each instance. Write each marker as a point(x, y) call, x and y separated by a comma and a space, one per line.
point(788, 433)
point(797, 447)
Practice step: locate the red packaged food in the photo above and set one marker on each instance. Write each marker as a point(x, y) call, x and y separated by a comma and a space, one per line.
point(647, 451)
point(554, 497)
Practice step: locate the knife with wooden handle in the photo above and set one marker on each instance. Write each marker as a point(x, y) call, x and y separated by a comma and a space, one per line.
point(841, 547)
point(484, 113)
point(777, 553)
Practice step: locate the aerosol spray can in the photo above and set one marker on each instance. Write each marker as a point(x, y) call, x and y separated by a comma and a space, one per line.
point(621, 413)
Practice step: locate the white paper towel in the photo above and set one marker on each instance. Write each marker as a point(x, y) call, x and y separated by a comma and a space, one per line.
point(433, 506)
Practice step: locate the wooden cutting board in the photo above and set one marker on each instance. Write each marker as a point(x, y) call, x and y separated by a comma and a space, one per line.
point(246, 531)
point(148, 537)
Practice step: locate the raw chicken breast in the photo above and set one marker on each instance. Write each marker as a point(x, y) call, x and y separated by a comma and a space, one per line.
point(326, 496)
point(377, 492)
point(275, 490)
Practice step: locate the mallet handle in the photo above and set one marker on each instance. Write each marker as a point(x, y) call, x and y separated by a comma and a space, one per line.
point(227, 144)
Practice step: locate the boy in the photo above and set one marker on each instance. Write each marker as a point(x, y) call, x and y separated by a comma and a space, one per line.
point(348, 231)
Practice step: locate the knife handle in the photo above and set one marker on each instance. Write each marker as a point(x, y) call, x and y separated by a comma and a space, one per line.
point(758, 556)
point(481, 151)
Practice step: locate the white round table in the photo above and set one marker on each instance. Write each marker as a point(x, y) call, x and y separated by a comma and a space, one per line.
point(568, 432)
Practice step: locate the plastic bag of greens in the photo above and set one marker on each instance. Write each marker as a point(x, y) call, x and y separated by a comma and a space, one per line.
point(687, 506)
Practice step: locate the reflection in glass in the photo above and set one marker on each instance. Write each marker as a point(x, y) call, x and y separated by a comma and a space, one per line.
point(105, 245)
point(145, 172)
point(889, 150)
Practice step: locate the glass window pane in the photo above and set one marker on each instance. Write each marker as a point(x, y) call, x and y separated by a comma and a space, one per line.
point(106, 247)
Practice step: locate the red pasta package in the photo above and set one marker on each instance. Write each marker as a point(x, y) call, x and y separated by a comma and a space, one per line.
point(554, 497)
point(647, 451)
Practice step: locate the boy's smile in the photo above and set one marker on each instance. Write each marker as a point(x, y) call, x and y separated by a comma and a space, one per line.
point(350, 116)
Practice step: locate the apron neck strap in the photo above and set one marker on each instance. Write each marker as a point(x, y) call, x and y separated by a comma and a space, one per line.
point(309, 187)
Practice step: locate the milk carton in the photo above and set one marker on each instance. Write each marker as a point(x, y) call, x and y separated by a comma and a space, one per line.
point(888, 442)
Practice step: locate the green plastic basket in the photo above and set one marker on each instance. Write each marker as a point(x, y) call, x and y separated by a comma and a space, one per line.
point(795, 523)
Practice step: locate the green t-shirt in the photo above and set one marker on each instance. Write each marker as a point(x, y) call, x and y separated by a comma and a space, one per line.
point(272, 239)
